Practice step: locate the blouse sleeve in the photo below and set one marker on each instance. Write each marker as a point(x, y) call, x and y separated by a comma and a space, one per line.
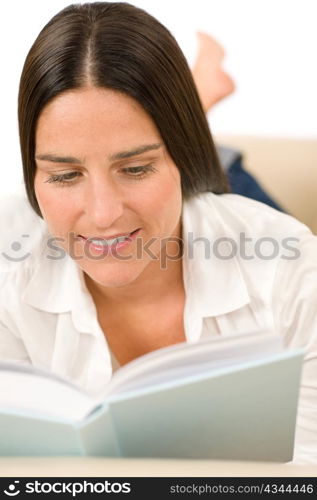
point(295, 312)
point(12, 348)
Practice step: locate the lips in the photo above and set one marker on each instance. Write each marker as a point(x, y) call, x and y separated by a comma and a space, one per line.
point(110, 240)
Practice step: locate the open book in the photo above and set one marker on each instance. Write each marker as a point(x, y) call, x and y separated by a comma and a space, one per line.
point(233, 397)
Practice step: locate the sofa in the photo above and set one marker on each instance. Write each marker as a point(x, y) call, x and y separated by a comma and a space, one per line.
point(285, 168)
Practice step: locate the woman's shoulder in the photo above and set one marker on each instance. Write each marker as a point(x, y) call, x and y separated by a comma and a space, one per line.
point(15, 204)
point(239, 213)
point(22, 232)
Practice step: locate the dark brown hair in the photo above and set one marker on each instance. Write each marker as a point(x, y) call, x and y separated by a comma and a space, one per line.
point(118, 46)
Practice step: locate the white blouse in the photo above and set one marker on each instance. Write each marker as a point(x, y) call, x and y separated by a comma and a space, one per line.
point(246, 267)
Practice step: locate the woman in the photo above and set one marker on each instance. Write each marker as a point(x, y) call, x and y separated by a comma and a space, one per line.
point(130, 240)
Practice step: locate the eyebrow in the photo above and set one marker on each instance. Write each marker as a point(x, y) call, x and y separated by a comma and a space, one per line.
point(117, 156)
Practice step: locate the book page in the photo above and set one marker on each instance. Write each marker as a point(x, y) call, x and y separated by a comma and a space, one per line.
point(24, 388)
point(28, 389)
point(186, 359)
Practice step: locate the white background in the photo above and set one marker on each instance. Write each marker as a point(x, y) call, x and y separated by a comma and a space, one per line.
point(271, 54)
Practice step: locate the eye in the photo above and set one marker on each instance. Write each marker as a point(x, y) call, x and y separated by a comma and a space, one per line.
point(138, 172)
point(63, 179)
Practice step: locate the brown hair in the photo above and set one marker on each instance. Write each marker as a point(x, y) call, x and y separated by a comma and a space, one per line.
point(119, 46)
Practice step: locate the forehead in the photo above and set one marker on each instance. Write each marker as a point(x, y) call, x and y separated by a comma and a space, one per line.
point(93, 114)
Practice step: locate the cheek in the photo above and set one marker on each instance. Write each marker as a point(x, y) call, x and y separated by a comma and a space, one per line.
point(165, 200)
point(57, 209)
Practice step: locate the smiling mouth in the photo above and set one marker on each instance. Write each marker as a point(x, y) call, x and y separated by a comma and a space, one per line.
point(111, 241)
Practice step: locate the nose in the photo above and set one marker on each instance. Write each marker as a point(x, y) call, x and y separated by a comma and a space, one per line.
point(104, 203)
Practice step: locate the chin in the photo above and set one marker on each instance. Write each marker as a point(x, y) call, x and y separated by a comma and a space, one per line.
point(114, 276)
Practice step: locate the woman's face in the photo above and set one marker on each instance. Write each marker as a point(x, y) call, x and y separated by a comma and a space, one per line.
point(103, 173)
